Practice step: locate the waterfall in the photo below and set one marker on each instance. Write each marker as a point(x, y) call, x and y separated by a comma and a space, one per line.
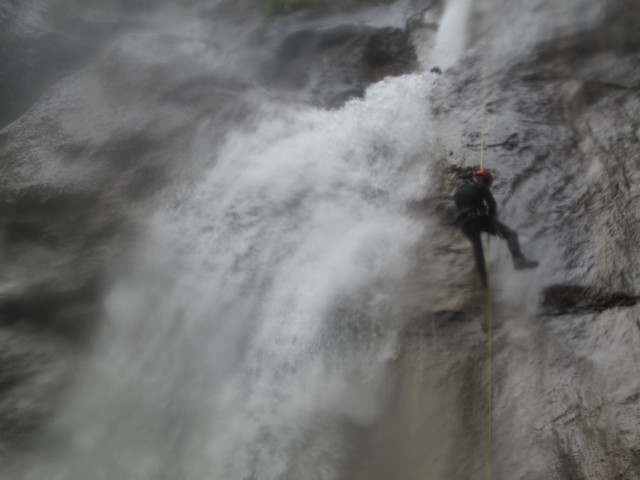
point(451, 39)
point(254, 328)
point(260, 315)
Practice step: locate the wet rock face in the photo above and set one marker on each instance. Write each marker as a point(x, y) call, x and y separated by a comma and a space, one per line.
point(105, 129)
point(81, 159)
point(77, 170)
point(326, 60)
point(38, 49)
point(332, 65)
point(562, 143)
point(572, 299)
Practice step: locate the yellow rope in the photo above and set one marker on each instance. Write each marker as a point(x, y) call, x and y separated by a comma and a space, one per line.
point(483, 119)
point(489, 307)
point(489, 320)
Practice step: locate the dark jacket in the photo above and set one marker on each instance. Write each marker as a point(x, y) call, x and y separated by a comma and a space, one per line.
point(475, 198)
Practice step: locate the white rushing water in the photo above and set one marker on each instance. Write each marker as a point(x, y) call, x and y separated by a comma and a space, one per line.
point(257, 322)
point(452, 36)
point(260, 314)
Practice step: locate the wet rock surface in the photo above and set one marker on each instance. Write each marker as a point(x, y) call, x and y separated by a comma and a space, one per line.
point(79, 168)
point(561, 141)
point(81, 165)
point(331, 66)
point(96, 130)
point(572, 299)
point(42, 43)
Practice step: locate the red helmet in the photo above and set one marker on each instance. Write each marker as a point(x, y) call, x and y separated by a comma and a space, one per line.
point(486, 174)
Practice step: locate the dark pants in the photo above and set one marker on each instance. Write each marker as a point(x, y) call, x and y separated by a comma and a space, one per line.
point(473, 225)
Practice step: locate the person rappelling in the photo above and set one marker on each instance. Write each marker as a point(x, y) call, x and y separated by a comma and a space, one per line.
point(476, 209)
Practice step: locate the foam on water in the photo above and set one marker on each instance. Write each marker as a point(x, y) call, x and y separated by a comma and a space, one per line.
point(259, 316)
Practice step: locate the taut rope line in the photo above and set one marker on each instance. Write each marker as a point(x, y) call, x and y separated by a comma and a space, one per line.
point(489, 306)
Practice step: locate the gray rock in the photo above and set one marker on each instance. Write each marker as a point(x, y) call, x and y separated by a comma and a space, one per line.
point(562, 144)
point(81, 166)
point(78, 170)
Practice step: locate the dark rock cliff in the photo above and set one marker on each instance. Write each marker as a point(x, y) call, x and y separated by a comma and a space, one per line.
point(101, 107)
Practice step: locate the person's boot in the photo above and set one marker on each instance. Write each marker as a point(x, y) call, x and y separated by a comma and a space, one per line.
point(521, 263)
